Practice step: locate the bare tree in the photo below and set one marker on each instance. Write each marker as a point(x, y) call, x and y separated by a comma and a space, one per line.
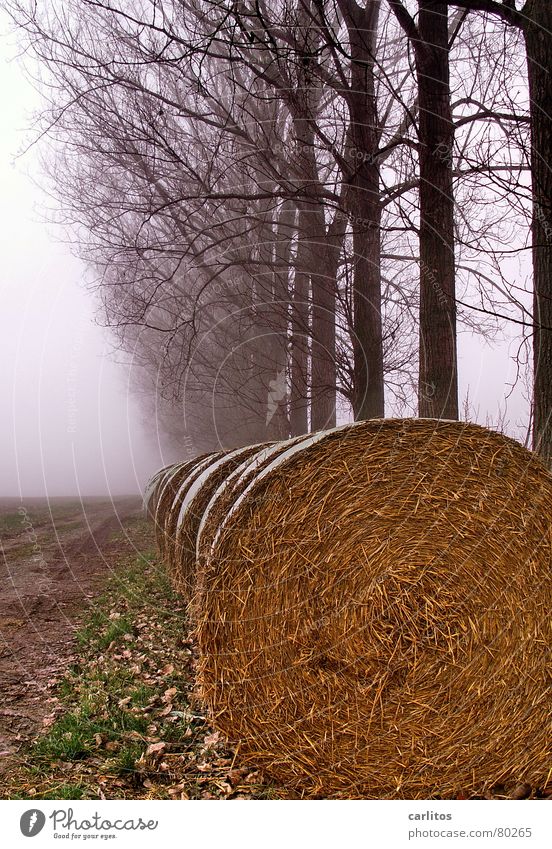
point(438, 379)
point(244, 180)
point(534, 19)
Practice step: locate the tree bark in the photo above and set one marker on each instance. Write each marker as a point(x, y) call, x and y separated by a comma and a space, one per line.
point(278, 426)
point(312, 231)
point(438, 369)
point(537, 29)
point(323, 366)
point(364, 209)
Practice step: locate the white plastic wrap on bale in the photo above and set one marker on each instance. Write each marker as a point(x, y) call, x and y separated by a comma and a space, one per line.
point(151, 486)
point(193, 470)
point(241, 473)
point(154, 500)
point(170, 472)
point(226, 484)
point(204, 476)
point(191, 477)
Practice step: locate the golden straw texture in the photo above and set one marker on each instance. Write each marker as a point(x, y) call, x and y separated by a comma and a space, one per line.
point(374, 616)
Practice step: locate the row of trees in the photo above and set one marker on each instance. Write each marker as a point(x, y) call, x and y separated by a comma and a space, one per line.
point(292, 208)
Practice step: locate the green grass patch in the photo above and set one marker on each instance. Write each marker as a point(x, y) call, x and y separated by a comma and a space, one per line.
point(113, 631)
point(21, 521)
point(66, 791)
point(59, 791)
point(12, 522)
point(124, 764)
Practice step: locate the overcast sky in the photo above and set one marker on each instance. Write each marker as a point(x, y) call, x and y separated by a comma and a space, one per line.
point(68, 423)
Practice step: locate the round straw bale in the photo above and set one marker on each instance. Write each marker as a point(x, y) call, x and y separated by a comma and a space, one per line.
point(375, 614)
point(152, 489)
point(185, 479)
point(167, 543)
point(190, 511)
point(231, 488)
point(172, 482)
point(220, 504)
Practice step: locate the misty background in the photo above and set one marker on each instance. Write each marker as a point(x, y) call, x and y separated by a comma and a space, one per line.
point(70, 422)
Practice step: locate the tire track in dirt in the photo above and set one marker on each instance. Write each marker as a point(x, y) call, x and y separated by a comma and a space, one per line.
point(42, 592)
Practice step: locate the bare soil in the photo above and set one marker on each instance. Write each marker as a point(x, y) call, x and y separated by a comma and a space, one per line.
point(55, 557)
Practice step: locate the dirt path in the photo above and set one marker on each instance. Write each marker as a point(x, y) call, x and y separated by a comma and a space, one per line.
point(55, 556)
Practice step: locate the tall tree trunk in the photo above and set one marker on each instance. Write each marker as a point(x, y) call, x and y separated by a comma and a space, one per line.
point(277, 417)
point(535, 21)
point(363, 206)
point(369, 400)
point(300, 331)
point(323, 367)
point(258, 337)
point(313, 255)
point(304, 107)
point(537, 28)
point(438, 371)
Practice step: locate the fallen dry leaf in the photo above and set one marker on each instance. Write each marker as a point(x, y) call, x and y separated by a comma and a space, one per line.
point(134, 735)
point(156, 748)
point(178, 792)
point(169, 694)
point(234, 776)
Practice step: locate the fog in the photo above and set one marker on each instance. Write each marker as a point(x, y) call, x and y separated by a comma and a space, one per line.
point(69, 423)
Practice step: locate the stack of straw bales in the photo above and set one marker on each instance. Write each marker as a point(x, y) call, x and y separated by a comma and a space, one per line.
point(170, 499)
point(190, 513)
point(151, 491)
point(372, 608)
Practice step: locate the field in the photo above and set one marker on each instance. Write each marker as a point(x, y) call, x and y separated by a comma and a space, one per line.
point(96, 671)
point(55, 555)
